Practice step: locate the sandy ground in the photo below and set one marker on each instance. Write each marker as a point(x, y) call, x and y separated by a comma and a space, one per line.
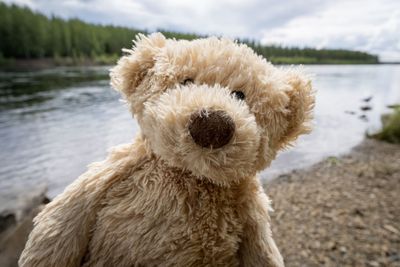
point(341, 212)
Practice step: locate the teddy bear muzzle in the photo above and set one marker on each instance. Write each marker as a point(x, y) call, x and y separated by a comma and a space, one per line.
point(211, 128)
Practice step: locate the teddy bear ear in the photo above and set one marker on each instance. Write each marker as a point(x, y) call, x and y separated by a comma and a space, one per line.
point(131, 69)
point(300, 107)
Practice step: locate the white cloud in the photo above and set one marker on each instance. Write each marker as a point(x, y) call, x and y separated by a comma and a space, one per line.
point(369, 25)
point(372, 26)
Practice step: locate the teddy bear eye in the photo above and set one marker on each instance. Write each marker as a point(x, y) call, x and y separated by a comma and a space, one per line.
point(239, 95)
point(187, 81)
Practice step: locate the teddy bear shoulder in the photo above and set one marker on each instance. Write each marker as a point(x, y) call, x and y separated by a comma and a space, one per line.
point(154, 183)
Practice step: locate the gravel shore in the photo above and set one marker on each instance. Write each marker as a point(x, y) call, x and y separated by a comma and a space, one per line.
point(343, 211)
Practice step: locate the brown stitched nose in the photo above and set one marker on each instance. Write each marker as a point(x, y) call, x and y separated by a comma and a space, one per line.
point(211, 128)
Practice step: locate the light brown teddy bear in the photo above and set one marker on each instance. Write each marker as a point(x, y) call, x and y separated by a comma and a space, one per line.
point(185, 192)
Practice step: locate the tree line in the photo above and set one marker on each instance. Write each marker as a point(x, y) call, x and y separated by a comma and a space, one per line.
point(25, 34)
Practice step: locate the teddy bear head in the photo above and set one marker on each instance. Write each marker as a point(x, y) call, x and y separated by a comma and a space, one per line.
point(212, 106)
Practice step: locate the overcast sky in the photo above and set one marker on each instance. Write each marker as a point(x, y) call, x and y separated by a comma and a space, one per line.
point(367, 25)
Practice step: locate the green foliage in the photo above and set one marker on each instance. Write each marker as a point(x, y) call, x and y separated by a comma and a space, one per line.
point(293, 55)
point(391, 128)
point(28, 35)
point(25, 34)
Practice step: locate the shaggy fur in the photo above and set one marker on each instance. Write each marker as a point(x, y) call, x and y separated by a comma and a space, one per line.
point(164, 200)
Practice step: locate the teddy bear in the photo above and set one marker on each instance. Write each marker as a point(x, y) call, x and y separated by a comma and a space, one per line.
point(185, 192)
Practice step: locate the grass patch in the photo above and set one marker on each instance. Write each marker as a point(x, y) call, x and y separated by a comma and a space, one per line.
point(391, 128)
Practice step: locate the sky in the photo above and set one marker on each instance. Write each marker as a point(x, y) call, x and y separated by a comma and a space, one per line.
point(367, 25)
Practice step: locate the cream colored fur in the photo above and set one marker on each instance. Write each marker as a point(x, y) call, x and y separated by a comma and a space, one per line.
point(163, 200)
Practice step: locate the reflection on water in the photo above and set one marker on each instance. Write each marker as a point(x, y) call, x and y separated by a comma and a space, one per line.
point(20, 89)
point(65, 119)
point(55, 122)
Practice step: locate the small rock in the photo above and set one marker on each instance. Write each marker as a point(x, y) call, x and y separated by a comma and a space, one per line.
point(304, 253)
point(6, 220)
point(331, 245)
point(365, 108)
point(358, 223)
point(363, 117)
point(391, 229)
point(394, 257)
point(367, 99)
point(358, 212)
point(373, 264)
point(16, 224)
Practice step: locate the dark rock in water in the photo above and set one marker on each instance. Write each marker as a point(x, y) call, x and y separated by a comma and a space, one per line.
point(367, 99)
point(363, 117)
point(21, 201)
point(16, 224)
point(46, 200)
point(365, 108)
point(6, 220)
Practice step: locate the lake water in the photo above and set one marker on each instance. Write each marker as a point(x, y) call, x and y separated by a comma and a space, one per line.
point(53, 123)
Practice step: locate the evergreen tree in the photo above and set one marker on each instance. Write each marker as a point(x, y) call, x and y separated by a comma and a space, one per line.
point(25, 34)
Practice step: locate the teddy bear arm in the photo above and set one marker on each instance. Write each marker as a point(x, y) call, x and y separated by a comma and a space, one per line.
point(257, 247)
point(62, 229)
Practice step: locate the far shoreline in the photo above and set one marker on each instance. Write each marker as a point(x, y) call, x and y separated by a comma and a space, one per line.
point(45, 63)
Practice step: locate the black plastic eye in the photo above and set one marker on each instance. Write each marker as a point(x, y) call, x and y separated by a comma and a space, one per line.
point(239, 95)
point(187, 81)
